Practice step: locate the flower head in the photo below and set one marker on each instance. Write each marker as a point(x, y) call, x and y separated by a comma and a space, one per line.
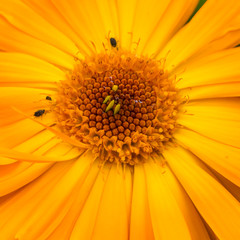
point(119, 120)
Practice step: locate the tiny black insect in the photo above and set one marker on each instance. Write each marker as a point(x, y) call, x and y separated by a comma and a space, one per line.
point(39, 113)
point(113, 42)
point(48, 98)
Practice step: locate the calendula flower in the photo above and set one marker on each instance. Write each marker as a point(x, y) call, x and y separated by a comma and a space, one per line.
point(119, 120)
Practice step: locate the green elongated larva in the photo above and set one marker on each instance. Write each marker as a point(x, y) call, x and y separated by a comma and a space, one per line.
point(107, 98)
point(110, 106)
point(117, 108)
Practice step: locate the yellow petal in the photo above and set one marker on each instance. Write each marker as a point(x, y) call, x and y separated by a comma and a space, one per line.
point(75, 197)
point(6, 161)
point(228, 39)
point(166, 18)
point(85, 19)
point(16, 179)
point(212, 91)
point(55, 201)
point(57, 132)
point(27, 99)
point(50, 152)
point(212, 21)
point(18, 68)
point(83, 228)
point(47, 10)
point(18, 137)
point(64, 229)
point(22, 205)
point(141, 225)
point(216, 205)
point(231, 187)
point(45, 143)
point(14, 40)
point(17, 133)
point(125, 12)
point(222, 130)
point(112, 218)
point(215, 108)
point(127, 178)
point(221, 67)
point(5, 198)
point(193, 220)
point(164, 211)
point(31, 157)
point(60, 149)
point(109, 12)
point(41, 147)
point(222, 158)
point(18, 14)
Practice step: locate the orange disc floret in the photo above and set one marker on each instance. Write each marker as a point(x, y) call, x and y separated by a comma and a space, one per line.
point(120, 97)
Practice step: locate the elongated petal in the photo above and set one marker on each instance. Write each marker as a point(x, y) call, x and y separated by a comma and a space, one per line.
point(6, 161)
point(109, 13)
point(23, 204)
point(220, 108)
point(83, 229)
point(222, 130)
point(85, 223)
point(128, 184)
point(39, 148)
point(17, 175)
point(141, 224)
point(27, 99)
point(18, 14)
point(217, 206)
point(231, 187)
point(112, 222)
point(57, 132)
point(223, 158)
point(48, 11)
point(221, 90)
point(85, 19)
point(164, 18)
point(56, 200)
point(193, 220)
point(66, 228)
point(124, 28)
point(34, 158)
point(33, 145)
point(164, 210)
point(17, 69)
point(228, 39)
point(15, 134)
point(14, 40)
point(168, 17)
point(212, 21)
point(217, 68)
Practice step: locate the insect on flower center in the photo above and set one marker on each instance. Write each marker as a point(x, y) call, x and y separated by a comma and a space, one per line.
point(125, 107)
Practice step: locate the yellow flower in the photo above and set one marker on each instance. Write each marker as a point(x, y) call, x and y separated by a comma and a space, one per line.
point(118, 120)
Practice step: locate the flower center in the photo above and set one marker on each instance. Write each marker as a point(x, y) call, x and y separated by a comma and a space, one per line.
point(123, 106)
